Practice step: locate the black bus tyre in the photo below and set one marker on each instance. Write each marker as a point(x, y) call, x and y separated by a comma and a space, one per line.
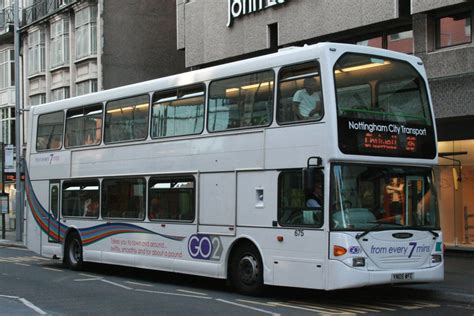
point(247, 270)
point(73, 252)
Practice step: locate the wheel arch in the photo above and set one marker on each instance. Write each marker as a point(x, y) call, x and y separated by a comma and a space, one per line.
point(70, 231)
point(240, 242)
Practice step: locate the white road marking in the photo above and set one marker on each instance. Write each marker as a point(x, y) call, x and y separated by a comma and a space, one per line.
point(22, 264)
point(116, 284)
point(9, 296)
point(248, 307)
point(82, 280)
point(88, 275)
point(32, 306)
point(53, 269)
point(328, 309)
point(191, 292)
point(174, 294)
point(310, 309)
point(136, 283)
point(26, 303)
point(254, 302)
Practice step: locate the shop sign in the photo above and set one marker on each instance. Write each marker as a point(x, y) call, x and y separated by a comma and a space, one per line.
point(239, 8)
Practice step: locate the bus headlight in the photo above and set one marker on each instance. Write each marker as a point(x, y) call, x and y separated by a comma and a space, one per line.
point(436, 258)
point(358, 262)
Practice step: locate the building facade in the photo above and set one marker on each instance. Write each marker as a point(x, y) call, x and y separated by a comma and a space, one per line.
point(438, 31)
point(74, 47)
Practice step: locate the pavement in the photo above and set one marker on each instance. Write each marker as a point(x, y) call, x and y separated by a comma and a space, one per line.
point(10, 240)
point(457, 286)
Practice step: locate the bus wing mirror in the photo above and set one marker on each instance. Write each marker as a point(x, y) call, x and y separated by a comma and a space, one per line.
point(311, 174)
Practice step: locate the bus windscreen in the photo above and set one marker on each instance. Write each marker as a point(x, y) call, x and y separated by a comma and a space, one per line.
point(383, 108)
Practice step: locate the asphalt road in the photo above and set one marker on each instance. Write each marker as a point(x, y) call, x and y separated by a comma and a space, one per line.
point(31, 285)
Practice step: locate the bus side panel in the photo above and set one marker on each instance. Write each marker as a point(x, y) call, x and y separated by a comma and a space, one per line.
point(37, 227)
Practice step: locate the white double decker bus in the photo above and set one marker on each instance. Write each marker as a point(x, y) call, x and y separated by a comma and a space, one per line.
point(311, 168)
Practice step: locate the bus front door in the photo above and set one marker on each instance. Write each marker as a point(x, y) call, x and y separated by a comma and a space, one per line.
point(53, 220)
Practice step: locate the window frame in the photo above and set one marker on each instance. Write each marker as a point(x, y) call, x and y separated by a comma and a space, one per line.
point(467, 14)
point(277, 101)
point(37, 129)
point(36, 52)
point(101, 129)
point(204, 117)
point(321, 209)
point(61, 38)
point(178, 177)
point(83, 180)
point(148, 120)
point(102, 193)
point(235, 76)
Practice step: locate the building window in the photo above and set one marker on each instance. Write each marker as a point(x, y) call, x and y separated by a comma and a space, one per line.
point(398, 41)
point(36, 52)
point(453, 30)
point(7, 121)
point(59, 43)
point(401, 42)
point(372, 42)
point(86, 87)
point(59, 94)
point(7, 70)
point(38, 99)
point(86, 32)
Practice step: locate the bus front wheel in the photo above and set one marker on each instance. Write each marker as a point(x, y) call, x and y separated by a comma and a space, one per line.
point(73, 253)
point(247, 270)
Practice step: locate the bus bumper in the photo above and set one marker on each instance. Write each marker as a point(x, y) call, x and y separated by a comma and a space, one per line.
point(341, 276)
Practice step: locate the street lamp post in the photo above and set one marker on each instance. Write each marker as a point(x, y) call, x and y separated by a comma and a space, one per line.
point(18, 145)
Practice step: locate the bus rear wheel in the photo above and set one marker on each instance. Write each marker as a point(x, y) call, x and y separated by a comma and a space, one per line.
point(73, 252)
point(247, 270)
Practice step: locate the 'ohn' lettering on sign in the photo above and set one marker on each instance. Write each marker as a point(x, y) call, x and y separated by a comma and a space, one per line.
point(238, 8)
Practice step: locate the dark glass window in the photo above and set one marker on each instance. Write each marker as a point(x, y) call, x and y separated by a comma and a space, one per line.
point(453, 30)
point(383, 108)
point(171, 199)
point(84, 126)
point(401, 42)
point(299, 96)
point(178, 112)
point(123, 198)
point(297, 206)
point(127, 119)
point(241, 102)
point(50, 131)
point(81, 198)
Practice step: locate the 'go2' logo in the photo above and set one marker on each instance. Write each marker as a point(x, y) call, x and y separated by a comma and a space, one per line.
point(205, 247)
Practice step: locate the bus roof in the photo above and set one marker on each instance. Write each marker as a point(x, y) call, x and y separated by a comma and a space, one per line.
point(283, 57)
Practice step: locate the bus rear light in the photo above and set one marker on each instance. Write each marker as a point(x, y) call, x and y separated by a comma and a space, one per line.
point(358, 262)
point(339, 251)
point(280, 238)
point(436, 258)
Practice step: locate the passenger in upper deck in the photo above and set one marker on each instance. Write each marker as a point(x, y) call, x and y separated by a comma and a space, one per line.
point(307, 103)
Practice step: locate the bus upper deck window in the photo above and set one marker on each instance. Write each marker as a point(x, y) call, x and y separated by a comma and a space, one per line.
point(49, 134)
point(300, 96)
